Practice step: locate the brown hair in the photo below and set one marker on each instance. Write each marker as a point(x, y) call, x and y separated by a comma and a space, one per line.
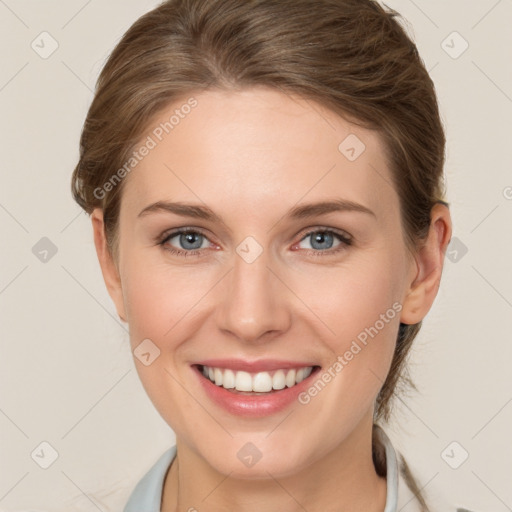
point(351, 56)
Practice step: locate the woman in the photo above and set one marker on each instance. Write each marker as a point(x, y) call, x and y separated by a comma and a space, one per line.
point(264, 180)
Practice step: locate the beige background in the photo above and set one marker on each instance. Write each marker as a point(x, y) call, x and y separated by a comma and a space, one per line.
point(66, 373)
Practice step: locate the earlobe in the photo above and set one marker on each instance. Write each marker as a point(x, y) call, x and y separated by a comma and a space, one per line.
point(108, 267)
point(429, 265)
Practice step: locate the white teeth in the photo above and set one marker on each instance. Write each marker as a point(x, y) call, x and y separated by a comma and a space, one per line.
point(279, 380)
point(228, 380)
point(261, 382)
point(243, 381)
point(290, 378)
point(303, 373)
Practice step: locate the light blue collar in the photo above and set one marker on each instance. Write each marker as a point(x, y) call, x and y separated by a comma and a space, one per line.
point(147, 495)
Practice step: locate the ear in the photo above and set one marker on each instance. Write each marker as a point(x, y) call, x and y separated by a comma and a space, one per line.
point(108, 267)
point(429, 260)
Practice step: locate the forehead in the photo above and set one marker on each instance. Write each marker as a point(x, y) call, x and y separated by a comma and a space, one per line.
point(257, 148)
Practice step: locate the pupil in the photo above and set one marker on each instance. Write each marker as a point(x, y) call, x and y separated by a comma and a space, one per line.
point(322, 238)
point(191, 238)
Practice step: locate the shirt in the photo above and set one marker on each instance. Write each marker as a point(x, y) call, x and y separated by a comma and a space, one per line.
point(147, 494)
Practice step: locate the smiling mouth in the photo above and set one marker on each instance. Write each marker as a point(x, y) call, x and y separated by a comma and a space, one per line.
point(260, 383)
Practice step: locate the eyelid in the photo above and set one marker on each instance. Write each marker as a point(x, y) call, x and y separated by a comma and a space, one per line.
point(170, 233)
point(319, 229)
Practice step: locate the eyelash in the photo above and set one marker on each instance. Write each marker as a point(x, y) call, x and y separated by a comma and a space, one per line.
point(345, 240)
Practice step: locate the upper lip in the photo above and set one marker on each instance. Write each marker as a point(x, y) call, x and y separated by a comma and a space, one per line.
point(261, 365)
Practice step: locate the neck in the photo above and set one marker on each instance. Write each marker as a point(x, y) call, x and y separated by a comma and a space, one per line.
point(344, 480)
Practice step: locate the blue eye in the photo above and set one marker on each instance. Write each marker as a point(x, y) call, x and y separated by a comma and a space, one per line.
point(190, 242)
point(320, 240)
point(324, 241)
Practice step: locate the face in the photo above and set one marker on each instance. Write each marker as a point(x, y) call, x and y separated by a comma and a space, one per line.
point(260, 242)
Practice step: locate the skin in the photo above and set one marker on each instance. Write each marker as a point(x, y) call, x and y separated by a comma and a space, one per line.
point(251, 156)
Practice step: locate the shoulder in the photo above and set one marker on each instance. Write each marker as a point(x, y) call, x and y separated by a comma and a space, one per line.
point(413, 498)
point(431, 502)
point(404, 493)
point(389, 462)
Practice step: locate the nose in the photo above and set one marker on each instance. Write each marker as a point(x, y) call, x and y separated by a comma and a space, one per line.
point(253, 303)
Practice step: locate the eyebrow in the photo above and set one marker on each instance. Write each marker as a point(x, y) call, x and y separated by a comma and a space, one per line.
point(298, 212)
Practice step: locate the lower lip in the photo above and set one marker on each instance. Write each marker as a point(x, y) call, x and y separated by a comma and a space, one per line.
point(256, 405)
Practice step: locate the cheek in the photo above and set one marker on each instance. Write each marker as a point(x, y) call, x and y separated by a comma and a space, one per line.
point(360, 309)
point(366, 313)
point(365, 321)
point(367, 344)
point(159, 306)
point(350, 299)
point(158, 297)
